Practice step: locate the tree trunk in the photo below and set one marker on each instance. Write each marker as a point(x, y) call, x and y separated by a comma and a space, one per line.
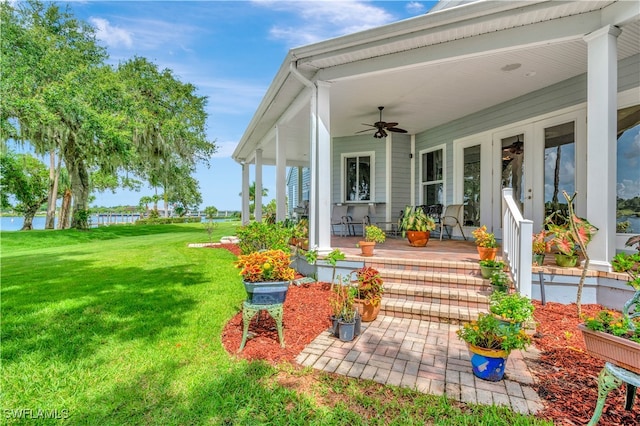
point(54, 176)
point(63, 222)
point(28, 218)
point(79, 178)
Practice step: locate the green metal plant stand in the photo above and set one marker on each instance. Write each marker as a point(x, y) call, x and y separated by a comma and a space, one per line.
point(249, 310)
point(609, 379)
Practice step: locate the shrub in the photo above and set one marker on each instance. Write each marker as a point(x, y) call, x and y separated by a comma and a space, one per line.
point(258, 236)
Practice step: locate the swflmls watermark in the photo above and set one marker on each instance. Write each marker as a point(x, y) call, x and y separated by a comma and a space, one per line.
point(37, 413)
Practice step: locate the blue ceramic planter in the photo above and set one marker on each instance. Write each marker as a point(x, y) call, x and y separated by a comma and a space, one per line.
point(488, 364)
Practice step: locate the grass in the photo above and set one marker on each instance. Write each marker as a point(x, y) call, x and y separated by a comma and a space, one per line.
point(122, 325)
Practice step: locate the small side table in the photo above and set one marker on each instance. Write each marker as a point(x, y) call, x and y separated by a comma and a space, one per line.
point(249, 310)
point(610, 378)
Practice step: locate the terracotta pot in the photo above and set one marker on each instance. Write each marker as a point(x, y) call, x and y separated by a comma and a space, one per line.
point(487, 253)
point(418, 238)
point(616, 350)
point(367, 311)
point(366, 247)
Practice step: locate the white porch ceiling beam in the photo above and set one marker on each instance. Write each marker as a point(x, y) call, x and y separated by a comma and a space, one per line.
point(543, 33)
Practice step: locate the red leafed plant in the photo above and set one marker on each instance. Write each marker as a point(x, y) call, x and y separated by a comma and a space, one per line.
point(370, 285)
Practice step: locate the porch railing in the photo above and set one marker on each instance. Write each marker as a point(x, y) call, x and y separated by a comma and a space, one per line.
point(517, 235)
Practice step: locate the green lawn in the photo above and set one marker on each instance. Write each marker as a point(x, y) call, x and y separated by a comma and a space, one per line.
point(121, 325)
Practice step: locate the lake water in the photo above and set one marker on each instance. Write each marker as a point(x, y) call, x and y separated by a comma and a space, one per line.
point(15, 223)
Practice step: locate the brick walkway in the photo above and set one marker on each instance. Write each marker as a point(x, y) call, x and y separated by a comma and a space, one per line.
point(425, 356)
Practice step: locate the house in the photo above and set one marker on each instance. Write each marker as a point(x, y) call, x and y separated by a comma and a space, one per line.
point(530, 95)
point(298, 184)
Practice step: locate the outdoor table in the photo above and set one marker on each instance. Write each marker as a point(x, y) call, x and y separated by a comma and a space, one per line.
point(610, 378)
point(249, 310)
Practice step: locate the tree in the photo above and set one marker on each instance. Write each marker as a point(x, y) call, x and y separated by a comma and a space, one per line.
point(168, 130)
point(27, 179)
point(59, 95)
point(252, 195)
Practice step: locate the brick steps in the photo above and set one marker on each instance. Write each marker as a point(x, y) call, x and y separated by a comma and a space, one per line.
point(443, 291)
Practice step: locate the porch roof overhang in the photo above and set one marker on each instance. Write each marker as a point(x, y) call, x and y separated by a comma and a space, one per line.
point(433, 69)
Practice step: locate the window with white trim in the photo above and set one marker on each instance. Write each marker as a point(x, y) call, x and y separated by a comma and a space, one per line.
point(432, 163)
point(358, 175)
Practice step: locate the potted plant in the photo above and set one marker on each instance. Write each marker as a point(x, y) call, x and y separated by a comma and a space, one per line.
point(539, 247)
point(416, 226)
point(348, 314)
point(369, 285)
point(490, 344)
point(300, 236)
point(488, 267)
point(614, 336)
point(500, 281)
point(486, 243)
point(266, 276)
point(373, 235)
point(511, 308)
point(566, 253)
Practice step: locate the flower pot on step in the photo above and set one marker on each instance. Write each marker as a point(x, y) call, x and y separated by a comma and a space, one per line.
point(487, 253)
point(366, 248)
point(488, 364)
point(418, 238)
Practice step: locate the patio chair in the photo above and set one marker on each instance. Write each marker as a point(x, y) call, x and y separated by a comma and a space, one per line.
point(435, 212)
point(450, 219)
point(359, 216)
point(339, 218)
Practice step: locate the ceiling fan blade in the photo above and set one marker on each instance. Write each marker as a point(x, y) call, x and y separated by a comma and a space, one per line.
point(396, 130)
point(366, 130)
point(388, 125)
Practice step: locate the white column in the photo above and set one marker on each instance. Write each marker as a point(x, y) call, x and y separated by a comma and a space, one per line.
point(246, 215)
point(257, 196)
point(281, 174)
point(323, 167)
point(602, 80)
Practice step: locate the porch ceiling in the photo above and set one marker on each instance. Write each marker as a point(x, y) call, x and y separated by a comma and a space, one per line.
point(441, 71)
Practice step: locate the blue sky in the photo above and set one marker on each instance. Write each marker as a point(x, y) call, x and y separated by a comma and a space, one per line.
point(230, 50)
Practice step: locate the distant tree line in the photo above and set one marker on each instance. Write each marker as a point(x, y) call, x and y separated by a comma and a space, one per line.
point(102, 127)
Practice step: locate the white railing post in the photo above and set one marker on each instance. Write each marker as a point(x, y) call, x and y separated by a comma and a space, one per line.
point(517, 235)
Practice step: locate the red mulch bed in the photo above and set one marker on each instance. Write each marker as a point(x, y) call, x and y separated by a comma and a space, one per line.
point(567, 377)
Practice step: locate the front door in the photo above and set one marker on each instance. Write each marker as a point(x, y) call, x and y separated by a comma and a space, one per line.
point(513, 168)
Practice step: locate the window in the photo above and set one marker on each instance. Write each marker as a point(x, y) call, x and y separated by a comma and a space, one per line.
point(433, 177)
point(559, 166)
point(358, 172)
point(471, 185)
point(628, 179)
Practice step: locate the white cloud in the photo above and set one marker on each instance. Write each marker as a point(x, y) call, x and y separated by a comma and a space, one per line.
point(628, 189)
point(322, 20)
point(416, 7)
point(632, 153)
point(112, 36)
